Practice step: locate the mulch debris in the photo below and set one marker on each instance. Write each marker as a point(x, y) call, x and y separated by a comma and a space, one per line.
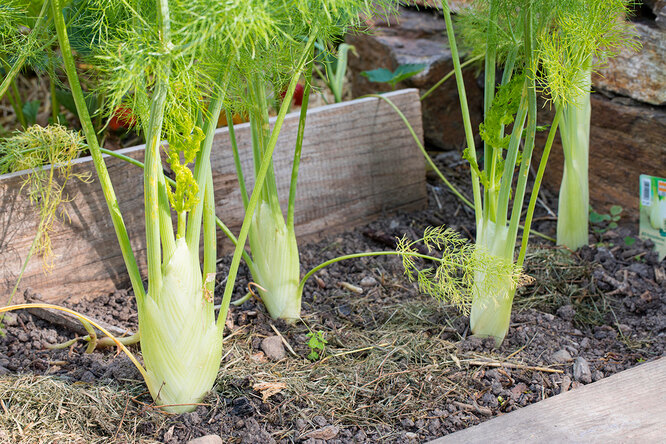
point(397, 366)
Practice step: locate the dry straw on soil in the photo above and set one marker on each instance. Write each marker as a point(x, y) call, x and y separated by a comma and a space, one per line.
point(42, 409)
point(393, 356)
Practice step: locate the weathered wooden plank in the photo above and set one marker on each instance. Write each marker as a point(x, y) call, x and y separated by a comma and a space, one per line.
point(359, 162)
point(629, 406)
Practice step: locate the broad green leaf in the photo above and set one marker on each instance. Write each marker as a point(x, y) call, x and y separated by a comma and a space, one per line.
point(402, 72)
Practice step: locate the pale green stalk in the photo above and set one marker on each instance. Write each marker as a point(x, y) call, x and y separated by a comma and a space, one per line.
point(587, 34)
point(573, 205)
point(464, 108)
point(488, 96)
point(225, 230)
point(299, 146)
point(259, 182)
point(497, 228)
point(98, 160)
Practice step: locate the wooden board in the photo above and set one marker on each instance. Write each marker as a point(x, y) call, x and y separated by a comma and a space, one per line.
point(359, 162)
point(629, 406)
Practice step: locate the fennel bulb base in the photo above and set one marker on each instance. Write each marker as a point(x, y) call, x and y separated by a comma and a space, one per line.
point(276, 263)
point(492, 294)
point(491, 318)
point(180, 342)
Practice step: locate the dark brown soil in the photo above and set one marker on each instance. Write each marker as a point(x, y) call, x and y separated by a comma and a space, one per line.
point(398, 366)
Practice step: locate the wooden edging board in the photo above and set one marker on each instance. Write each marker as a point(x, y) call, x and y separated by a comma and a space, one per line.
point(627, 407)
point(358, 163)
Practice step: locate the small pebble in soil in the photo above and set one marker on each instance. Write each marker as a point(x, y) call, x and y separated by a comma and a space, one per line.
point(368, 281)
point(581, 370)
point(241, 407)
point(273, 347)
point(561, 356)
point(208, 439)
point(10, 320)
point(320, 421)
point(325, 433)
point(566, 312)
point(565, 384)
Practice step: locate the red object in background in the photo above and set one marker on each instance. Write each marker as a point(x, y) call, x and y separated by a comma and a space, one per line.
point(298, 94)
point(122, 119)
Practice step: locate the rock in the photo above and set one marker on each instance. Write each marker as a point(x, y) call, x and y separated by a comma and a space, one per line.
point(3, 371)
point(561, 356)
point(417, 37)
point(10, 319)
point(411, 435)
point(597, 375)
point(640, 269)
point(208, 439)
point(566, 312)
point(659, 10)
point(328, 432)
point(299, 424)
point(50, 336)
point(517, 390)
point(454, 5)
point(368, 281)
point(581, 370)
point(640, 75)
point(626, 140)
point(320, 421)
point(273, 347)
point(566, 384)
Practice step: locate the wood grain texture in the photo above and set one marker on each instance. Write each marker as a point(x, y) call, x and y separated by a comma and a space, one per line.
point(359, 162)
point(629, 406)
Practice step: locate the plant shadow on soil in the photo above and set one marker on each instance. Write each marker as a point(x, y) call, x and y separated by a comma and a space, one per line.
point(398, 366)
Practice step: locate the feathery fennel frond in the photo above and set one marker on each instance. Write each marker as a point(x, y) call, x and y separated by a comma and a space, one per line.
point(586, 34)
point(32, 149)
point(458, 263)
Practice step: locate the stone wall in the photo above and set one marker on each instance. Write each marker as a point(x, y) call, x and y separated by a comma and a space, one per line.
point(628, 133)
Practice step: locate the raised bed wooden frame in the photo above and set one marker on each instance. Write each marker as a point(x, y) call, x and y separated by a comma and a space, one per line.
point(359, 162)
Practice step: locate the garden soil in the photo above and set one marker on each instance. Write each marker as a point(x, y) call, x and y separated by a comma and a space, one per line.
point(397, 366)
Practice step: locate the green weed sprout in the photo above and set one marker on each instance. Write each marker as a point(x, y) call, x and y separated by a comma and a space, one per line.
point(585, 35)
point(26, 37)
point(335, 66)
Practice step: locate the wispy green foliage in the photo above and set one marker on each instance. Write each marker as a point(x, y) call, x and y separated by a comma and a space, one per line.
point(183, 196)
point(474, 23)
point(455, 277)
point(502, 113)
point(585, 34)
point(25, 34)
point(31, 149)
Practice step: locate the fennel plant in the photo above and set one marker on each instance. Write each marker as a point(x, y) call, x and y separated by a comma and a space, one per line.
point(505, 33)
point(275, 265)
point(585, 35)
